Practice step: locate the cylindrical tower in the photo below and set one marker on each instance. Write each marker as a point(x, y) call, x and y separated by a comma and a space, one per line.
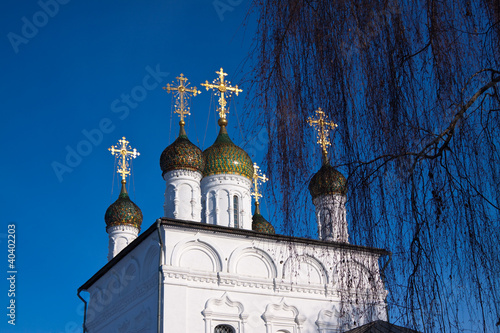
point(123, 222)
point(328, 189)
point(182, 164)
point(226, 183)
point(123, 218)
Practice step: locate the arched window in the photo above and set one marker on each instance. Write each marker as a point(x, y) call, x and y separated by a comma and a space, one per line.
point(224, 329)
point(236, 211)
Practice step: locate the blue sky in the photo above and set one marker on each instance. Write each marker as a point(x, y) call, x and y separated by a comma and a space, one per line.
point(67, 68)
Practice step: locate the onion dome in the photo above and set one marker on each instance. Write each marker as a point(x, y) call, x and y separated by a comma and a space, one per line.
point(182, 155)
point(224, 157)
point(123, 211)
point(327, 181)
point(260, 224)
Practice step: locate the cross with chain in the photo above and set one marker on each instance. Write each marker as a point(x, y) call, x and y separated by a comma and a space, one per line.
point(125, 153)
point(256, 179)
point(223, 87)
point(182, 91)
point(323, 126)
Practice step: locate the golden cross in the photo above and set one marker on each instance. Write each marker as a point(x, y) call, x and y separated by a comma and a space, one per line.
point(182, 91)
point(256, 179)
point(223, 87)
point(123, 151)
point(324, 127)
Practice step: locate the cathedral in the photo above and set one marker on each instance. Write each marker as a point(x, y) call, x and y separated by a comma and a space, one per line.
point(211, 265)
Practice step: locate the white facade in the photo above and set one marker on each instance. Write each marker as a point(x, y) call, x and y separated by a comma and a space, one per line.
point(227, 201)
point(331, 218)
point(183, 195)
point(119, 237)
point(255, 283)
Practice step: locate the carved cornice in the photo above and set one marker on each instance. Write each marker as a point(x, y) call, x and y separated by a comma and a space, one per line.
point(177, 273)
point(234, 280)
point(330, 199)
point(226, 279)
point(118, 228)
point(183, 173)
point(226, 178)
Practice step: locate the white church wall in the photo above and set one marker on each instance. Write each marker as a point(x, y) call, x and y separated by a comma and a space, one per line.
point(204, 268)
point(125, 298)
point(253, 283)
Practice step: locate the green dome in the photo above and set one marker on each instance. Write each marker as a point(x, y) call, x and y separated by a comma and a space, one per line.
point(123, 212)
point(260, 224)
point(182, 155)
point(226, 157)
point(327, 181)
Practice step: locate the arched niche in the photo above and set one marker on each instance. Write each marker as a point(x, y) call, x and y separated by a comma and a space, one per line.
point(198, 255)
point(252, 261)
point(304, 270)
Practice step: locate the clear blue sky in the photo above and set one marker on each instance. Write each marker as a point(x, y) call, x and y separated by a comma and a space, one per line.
point(65, 70)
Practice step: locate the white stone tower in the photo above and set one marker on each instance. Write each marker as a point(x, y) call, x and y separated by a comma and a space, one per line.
point(228, 172)
point(328, 190)
point(182, 165)
point(123, 218)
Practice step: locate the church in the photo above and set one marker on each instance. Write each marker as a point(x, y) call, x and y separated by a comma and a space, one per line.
point(212, 265)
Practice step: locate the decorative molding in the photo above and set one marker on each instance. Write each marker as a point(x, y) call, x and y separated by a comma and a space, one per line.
point(329, 320)
point(228, 178)
point(188, 275)
point(233, 280)
point(282, 316)
point(223, 310)
point(118, 228)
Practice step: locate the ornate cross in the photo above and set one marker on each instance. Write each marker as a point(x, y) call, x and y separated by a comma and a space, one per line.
point(125, 152)
point(256, 179)
point(323, 126)
point(182, 94)
point(223, 87)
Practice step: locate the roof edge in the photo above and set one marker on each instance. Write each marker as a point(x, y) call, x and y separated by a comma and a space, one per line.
point(227, 230)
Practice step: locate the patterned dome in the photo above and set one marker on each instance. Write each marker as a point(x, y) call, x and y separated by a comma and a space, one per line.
point(327, 181)
point(260, 224)
point(182, 154)
point(123, 212)
point(226, 157)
